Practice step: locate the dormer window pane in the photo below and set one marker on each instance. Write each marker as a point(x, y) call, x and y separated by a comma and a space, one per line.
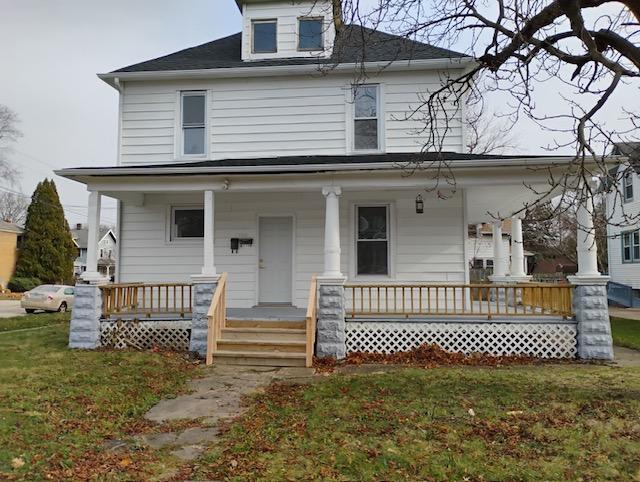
point(265, 36)
point(310, 34)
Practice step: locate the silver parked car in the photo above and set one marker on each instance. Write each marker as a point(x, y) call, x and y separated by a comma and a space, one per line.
point(48, 298)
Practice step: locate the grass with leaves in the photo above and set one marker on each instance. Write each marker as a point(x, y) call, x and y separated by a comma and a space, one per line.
point(59, 406)
point(626, 332)
point(543, 423)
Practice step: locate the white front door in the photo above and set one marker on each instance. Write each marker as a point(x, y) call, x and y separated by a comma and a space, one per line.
point(275, 263)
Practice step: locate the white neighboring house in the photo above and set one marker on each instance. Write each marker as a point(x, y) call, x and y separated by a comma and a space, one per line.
point(269, 157)
point(480, 247)
point(624, 237)
point(107, 250)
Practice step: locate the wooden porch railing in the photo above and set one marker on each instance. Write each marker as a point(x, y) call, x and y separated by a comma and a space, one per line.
point(312, 315)
point(217, 317)
point(146, 299)
point(459, 300)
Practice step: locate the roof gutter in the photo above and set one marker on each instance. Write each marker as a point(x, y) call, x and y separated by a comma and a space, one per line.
point(191, 170)
point(278, 70)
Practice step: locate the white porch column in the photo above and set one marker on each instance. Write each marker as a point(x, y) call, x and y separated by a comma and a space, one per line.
point(499, 256)
point(93, 238)
point(517, 250)
point(586, 241)
point(208, 265)
point(332, 232)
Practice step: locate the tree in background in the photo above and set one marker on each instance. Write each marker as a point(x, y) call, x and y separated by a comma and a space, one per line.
point(9, 133)
point(47, 251)
point(13, 207)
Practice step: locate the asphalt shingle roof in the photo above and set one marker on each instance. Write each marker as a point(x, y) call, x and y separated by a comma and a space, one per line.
point(81, 236)
point(354, 44)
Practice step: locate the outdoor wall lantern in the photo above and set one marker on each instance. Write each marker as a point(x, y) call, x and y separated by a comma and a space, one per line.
point(419, 205)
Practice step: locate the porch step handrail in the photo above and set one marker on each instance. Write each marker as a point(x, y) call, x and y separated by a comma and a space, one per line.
point(146, 299)
point(311, 318)
point(216, 317)
point(426, 299)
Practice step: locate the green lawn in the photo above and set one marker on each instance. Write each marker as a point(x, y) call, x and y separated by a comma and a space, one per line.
point(33, 321)
point(58, 406)
point(626, 332)
point(544, 423)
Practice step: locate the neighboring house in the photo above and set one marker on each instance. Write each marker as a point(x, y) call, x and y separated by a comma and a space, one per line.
point(107, 250)
point(623, 229)
point(9, 241)
point(273, 155)
point(480, 247)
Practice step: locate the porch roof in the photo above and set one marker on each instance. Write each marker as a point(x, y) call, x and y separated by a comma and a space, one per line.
point(318, 163)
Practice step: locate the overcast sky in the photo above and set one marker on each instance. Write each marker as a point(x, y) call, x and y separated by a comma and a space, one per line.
point(52, 50)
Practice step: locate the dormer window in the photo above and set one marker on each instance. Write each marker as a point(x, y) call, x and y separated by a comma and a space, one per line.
point(366, 125)
point(193, 123)
point(627, 186)
point(265, 36)
point(310, 34)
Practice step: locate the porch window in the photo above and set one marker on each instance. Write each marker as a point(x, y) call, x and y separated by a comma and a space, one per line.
point(265, 36)
point(193, 123)
point(372, 245)
point(365, 127)
point(187, 223)
point(310, 34)
point(627, 186)
point(631, 247)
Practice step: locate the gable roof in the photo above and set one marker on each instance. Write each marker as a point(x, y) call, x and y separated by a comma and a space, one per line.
point(80, 236)
point(354, 44)
point(7, 227)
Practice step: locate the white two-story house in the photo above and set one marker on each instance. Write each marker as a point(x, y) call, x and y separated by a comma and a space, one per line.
point(623, 228)
point(275, 154)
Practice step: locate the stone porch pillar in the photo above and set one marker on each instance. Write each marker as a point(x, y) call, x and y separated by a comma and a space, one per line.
point(590, 303)
point(330, 336)
point(84, 329)
point(205, 283)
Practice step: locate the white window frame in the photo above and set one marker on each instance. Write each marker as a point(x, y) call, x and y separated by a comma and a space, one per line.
point(298, 35)
point(627, 181)
point(180, 124)
point(391, 239)
point(630, 235)
point(171, 235)
point(351, 119)
point(253, 37)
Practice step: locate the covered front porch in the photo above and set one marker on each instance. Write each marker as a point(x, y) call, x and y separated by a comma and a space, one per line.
point(384, 249)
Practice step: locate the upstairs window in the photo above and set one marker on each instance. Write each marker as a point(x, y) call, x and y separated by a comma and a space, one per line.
point(265, 36)
point(372, 240)
point(193, 123)
point(365, 128)
point(310, 34)
point(627, 186)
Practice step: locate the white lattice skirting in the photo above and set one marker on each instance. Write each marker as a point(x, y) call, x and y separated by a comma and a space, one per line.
point(541, 340)
point(144, 335)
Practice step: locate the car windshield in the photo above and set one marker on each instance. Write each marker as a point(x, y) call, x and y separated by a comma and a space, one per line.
point(45, 289)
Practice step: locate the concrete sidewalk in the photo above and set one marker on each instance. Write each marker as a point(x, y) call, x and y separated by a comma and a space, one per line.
point(10, 308)
point(628, 313)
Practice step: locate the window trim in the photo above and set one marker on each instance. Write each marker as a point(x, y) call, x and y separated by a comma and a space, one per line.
point(632, 259)
point(391, 241)
point(627, 181)
point(170, 234)
point(298, 36)
point(253, 36)
point(193, 93)
point(351, 119)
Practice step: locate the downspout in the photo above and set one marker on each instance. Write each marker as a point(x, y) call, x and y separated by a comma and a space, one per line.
point(120, 88)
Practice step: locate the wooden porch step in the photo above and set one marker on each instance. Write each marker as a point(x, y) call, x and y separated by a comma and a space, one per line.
point(268, 345)
point(266, 323)
point(262, 334)
point(272, 359)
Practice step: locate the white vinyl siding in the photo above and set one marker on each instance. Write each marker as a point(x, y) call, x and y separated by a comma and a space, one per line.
point(269, 117)
point(419, 252)
point(627, 273)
